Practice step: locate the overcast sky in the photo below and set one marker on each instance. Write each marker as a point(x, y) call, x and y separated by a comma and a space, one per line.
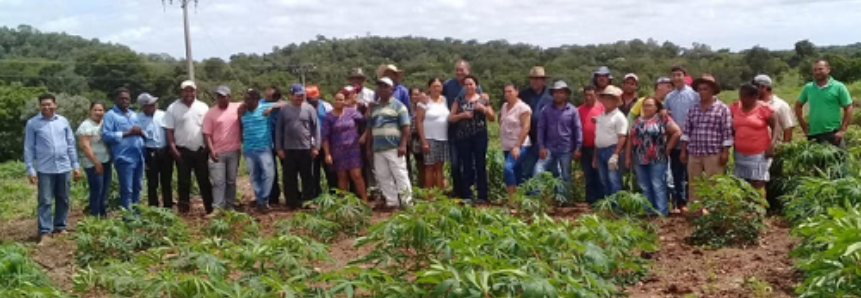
point(224, 27)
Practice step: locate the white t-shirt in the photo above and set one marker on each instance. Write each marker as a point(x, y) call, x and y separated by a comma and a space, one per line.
point(366, 95)
point(608, 127)
point(785, 118)
point(187, 123)
point(436, 120)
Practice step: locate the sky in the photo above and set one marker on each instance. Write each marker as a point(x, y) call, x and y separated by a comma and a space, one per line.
point(221, 28)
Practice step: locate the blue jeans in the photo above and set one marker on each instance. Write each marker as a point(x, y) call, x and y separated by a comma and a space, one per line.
point(527, 161)
point(100, 188)
point(472, 152)
point(652, 179)
point(53, 188)
point(610, 180)
point(558, 164)
point(131, 177)
point(680, 179)
point(594, 189)
point(512, 169)
point(454, 162)
point(261, 169)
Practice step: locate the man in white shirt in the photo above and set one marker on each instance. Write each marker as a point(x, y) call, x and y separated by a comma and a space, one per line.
point(183, 122)
point(357, 79)
point(782, 133)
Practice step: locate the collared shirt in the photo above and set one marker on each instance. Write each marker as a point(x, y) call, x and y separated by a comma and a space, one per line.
point(785, 118)
point(608, 127)
point(626, 108)
point(679, 102)
point(826, 105)
point(51, 143)
point(403, 95)
point(222, 125)
point(708, 132)
point(153, 127)
point(297, 128)
point(536, 101)
point(90, 128)
point(256, 131)
point(587, 114)
point(366, 95)
point(559, 129)
point(386, 122)
point(124, 149)
point(187, 123)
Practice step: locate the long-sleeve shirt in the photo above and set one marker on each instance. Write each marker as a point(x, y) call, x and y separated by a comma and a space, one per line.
point(50, 142)
point(536, 101)
point(153, 128)
point(297, 128)
point(403, 94)
point(559, 129)
point(124, 149)
point(708, 132)
point(679, 102)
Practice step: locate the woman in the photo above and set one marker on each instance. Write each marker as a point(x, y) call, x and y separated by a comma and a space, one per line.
point(432, 125)
point(96, 159)
point(417, 97)
point(471, 111)
point(752, 120)
point(651, 140)
point(341, 145)
point(514, 124)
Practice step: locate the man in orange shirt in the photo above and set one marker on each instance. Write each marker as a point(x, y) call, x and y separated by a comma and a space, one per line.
point(222, 135)
point(589, 110)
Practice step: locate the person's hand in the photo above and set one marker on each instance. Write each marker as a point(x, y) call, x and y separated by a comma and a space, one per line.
point(804, 126)
point(613, 163)
point(594, 119)
point(282, 154)
point(478, 107)
point(466, 115)
point(76, 174)
point(838, 136)
point(769, 153)
point(425, 147)
point(314, 153)
point(515, 153)
point(594, 163)
point(267, 111)
point(99, 168)
point(542, 154)
point(578, 155)
point(724, 157)
point(214, 156)
point(402, 150)
point(33, 179)
point(176, 155)
point(683, 157)
point(362, 139)
point(485, 96)
point(328, 159)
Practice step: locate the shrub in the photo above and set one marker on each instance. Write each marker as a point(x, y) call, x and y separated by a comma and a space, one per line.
point(736, 212)
point(334, 215)
point(624, 204)
point(21, 277)
point(814, 196)
point(830, 253)
point(540, 194)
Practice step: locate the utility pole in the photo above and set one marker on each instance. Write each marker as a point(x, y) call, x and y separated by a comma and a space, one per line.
point(189, 60)
point(301, 70)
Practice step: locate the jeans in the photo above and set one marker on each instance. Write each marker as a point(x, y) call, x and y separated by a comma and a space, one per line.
point(391, 171)
point(558, 164)
point(100, 188)
point(610, 180)
point(261, 169)
point(528, 160)
point(472, 152)
point(222, 175)
point(594, 189)
point(652, 179)
point(196, 161)
point(512, 169)
point(131, 178)
point(680, 179)
point(297, 164)
point(275, 189)
point(454, 162)
point(53, 188)
point(159, 169)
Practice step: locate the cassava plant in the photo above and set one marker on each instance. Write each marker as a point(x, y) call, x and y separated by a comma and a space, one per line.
point(814, 196)
point(333, 215)
point(830, 253)
point(736, 212)
point(625, 205)
point(540, 194)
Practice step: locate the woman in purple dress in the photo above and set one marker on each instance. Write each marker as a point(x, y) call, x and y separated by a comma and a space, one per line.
point(341, 144)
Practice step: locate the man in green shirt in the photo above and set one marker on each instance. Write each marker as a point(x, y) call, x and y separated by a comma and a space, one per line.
point(826, 97)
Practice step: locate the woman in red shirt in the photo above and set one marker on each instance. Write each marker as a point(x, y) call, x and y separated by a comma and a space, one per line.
point(752, 120)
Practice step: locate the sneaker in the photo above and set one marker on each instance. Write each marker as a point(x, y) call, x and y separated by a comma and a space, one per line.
point(44, 239)
point(60, 232)
point(213, 214)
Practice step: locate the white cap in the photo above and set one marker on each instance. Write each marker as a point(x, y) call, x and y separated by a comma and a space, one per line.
point(188, 83)
point(387, 81)
point(146, 99)
point(631, 76)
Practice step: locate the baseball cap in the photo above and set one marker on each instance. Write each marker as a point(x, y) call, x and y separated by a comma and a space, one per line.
point(631, 76)
point(762, 80)
point(386, 81)
point(223, 90)
point(146, 99)
point(297, 89)
point(188, 83)
point(663, 80)
point(611, 91)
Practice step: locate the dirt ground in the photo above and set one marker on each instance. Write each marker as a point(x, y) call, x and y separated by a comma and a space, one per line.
point(679, 270)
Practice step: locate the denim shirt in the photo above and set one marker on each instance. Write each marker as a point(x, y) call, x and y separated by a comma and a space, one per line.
point(51, 143)
point(124, 149)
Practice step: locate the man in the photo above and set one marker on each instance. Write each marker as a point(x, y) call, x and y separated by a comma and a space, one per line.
point(601, 78)
point(629, 93)
point(663, 86)
point(50, 141)
point(357, 80)
point(257, 146)
point(222, 134)
point(157, 158)
point(826, 97)
point(297, 141)
point(537, 96)
point(272, 103)
point(783, 114)
point(123, 133)
point(559, 135)
point(708, 135)
point(588, 112)
point(389, 131)
point(678, 102)
point(400, 92)
point(452, 89)
point(319, 167)
point(183, 121)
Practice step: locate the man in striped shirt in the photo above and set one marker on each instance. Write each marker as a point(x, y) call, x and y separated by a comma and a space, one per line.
point(257, 147)
point(389, 127)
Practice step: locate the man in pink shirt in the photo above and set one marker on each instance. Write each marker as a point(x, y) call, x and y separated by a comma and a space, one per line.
point(223, 140)
point(589, 110)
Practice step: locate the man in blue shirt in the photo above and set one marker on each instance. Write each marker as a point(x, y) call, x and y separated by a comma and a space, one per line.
point(678, 102)
point(401, 93)
point(257, 146)
point(537, 96)
point(158, 161)
point(272, 101)
point(50, 141)
point(122, 131)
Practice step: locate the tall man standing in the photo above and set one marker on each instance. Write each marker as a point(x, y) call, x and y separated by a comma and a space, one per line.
point(400, 92)
point(826, 97)
point(271, 104)
point(588, 113)
point(629, 93)
point(537, 96)
point(357, 80)
point(157, 158)
point(559, 135)
point(183, 121)
point(451, 89)
point(678, 103)
point(122, 131)
point(257, 146)
point(49, 141)
point(782, 133)
point(602, 78)
point(297, 140)
point(222, 134)
point(389, 131)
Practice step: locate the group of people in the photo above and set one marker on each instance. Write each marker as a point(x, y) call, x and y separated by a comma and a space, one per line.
point(366, 136)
